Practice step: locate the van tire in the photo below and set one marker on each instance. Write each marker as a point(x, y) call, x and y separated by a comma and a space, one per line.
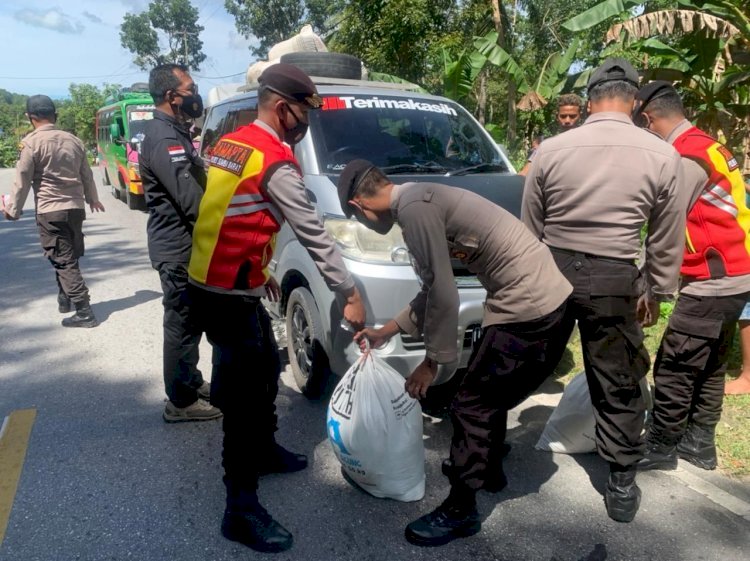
point(134, 201)
point(330, 65)
point(304, 332)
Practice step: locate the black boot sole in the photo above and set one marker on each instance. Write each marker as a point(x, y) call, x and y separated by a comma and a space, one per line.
point(230, 533)
point(664, 465)
point(84, 324)
point(466, 532)
point(708, 465)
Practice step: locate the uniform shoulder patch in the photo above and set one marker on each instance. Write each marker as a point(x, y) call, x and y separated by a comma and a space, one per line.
point(230, 156)
point(727, 155)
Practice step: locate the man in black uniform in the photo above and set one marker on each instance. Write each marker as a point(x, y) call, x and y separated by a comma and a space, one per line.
point(174, 178)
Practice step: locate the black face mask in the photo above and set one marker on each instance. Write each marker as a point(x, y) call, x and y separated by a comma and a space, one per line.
point(192, 105)
point(296, 133)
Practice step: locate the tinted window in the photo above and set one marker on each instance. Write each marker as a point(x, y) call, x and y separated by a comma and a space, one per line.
point(394, 131)
point(226, 118)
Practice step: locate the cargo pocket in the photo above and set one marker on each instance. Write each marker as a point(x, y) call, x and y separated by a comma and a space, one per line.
point(613, 292)
point(685, 341)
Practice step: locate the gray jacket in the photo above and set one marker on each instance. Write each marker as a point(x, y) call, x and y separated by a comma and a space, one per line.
point(593, 188)
point(518, 272)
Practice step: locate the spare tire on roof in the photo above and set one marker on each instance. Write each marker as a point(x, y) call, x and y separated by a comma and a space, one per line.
point(330, 65)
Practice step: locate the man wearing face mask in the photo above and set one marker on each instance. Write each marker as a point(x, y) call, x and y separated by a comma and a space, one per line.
point(525, 306)
point(174, 179)
point(254, 185)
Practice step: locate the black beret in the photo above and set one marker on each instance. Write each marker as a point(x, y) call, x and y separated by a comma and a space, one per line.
point(614, 69)
point(291, 82)
point(39, 105)
point(353, 174)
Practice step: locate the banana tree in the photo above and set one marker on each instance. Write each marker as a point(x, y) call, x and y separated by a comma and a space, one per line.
point(705, 47)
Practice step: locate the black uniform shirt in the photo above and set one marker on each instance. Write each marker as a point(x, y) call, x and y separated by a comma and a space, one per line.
point(174, 179)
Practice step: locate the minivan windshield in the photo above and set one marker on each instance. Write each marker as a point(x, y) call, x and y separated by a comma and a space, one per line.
point(400, 135)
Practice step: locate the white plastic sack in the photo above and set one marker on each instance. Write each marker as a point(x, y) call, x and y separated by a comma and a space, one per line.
point(375, 430)
point(305, 41)
point(570, 428)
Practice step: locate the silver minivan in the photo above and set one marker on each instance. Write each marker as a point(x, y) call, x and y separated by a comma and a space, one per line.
point(412, 136)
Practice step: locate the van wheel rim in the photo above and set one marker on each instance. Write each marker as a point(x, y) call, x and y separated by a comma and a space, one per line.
point(302, 346)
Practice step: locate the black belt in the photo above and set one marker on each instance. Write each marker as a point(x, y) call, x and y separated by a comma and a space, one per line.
point(591, 255)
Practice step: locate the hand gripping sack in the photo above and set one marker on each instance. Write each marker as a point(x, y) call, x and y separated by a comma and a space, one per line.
point(375, 430)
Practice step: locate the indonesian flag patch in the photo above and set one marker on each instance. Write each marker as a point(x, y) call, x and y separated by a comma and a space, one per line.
point(177, 153)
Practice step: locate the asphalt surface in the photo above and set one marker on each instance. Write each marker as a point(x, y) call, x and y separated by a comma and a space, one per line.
point(105, 478)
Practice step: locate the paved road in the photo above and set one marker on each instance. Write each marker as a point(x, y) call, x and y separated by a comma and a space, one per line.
point(105, 479)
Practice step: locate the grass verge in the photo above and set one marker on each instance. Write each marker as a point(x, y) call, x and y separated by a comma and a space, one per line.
point(733, 432)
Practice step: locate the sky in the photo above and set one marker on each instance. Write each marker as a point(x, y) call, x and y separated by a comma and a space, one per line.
point(50, 44)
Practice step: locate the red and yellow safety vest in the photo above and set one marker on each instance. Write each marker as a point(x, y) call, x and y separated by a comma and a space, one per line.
point(718, 222)
point(235, 234)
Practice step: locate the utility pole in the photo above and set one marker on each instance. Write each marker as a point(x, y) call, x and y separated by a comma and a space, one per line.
point(184, 34)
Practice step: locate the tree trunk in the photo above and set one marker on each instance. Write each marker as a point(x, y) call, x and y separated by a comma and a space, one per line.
point(482, 98)
point(512, 88)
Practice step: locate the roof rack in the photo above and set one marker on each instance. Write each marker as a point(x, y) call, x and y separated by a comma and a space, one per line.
point(328, 81)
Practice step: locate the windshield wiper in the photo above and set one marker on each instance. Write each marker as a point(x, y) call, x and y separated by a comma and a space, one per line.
point(424, 167)
point(484, 166)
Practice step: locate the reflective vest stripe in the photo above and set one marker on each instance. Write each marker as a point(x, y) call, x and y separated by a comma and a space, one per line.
point(723, 201)
point(250, 209)
point(241, 199)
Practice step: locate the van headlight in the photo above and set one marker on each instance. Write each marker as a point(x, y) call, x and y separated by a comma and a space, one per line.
point(359, 243)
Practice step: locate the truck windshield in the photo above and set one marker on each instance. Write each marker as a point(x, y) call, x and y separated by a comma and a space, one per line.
point(137, 117)
point(402, 134)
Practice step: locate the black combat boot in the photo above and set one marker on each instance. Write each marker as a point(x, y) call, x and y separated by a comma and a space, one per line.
point(281, 460)
point(457, 517)
point(84, 317)
point(622, 495)
point(698, 446)
point(247, 522)
point(63, 303)
point(661, 452)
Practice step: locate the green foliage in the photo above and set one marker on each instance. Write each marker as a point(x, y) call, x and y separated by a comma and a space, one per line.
point(273, 21)
point(8, 151)
point(177, 20)
point(78, 114)
point(394, 36)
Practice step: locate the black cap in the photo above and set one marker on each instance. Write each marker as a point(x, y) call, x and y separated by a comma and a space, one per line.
point(349, 180)
point(647, 94)
point(652, 90)
point(40, 105)
point(291, 82)
point(614, 69)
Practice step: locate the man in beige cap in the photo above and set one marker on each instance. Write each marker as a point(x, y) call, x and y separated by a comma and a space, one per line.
point(588, 194)
point(54, 164)
point(254, 185)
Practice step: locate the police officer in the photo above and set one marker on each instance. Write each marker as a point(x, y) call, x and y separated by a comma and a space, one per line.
point(587, 196)
point(54, 164)
point(254, 185)
point(525, 305)
point(174, 178)
point(692, 358)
